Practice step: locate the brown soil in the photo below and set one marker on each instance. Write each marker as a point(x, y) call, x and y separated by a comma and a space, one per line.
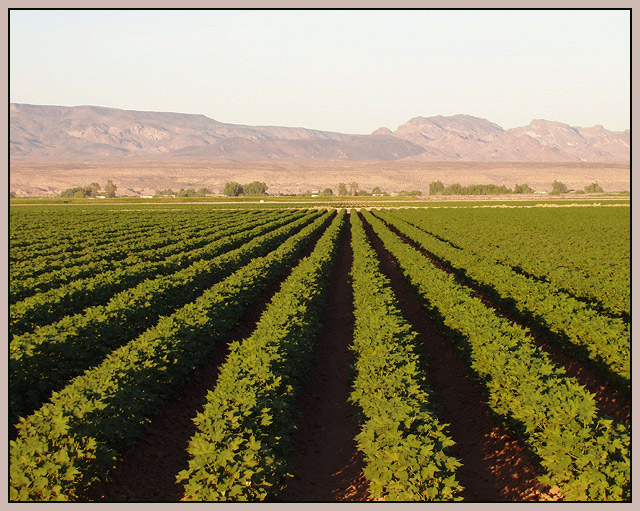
point(324, 460)
point(139, 176)
point(495, 465)
point(610, 401)
point(147, 472)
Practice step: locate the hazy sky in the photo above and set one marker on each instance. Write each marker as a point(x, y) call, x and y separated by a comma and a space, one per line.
point(348, 71)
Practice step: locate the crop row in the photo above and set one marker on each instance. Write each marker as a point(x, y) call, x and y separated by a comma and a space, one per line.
point(404, 445)
point(44, 360)
point(584, 251)
point(72, 233)
point(121, 252)
point(606, 339)
point(44, 308)
point(585, 455)
point(84, 245)
point(240, 447)
point(74, 439)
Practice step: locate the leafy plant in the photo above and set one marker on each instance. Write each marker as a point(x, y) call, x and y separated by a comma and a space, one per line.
point(239, 450)
point(585, 455)
point(404, 445)
point(101, 413)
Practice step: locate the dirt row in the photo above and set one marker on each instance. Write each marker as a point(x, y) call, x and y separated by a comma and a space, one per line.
point(324, 461)
point(147, 472)
point(495, 465)
point(611, 400)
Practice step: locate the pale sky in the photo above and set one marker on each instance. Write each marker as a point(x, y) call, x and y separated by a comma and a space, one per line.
point(347, 71)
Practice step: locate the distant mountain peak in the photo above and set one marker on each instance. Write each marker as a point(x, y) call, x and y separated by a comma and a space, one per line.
point(382, 131)
point(40, 132)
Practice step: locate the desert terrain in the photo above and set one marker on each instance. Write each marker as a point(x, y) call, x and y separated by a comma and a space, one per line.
point(146, 176)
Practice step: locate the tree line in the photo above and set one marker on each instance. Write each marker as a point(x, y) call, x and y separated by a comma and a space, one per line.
point(254, 189)
point(189, 192)
point(559, 187)
point(438, 188)
point(93, 190)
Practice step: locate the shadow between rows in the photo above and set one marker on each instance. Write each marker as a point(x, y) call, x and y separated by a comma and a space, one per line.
point(496, 466)
point(612, 392)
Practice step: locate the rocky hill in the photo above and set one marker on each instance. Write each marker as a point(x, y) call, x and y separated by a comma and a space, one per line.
point(90, 133)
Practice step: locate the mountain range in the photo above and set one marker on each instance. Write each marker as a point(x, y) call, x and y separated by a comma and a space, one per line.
point(58, 133)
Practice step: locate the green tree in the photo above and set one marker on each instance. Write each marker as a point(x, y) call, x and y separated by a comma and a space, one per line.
point(436, 187)
point(80, 192)
point(327, 192)
point(255, 188)
point(189, 192)
point(110, 189)
point(377, 191)
point(558, 187)
point(165, 192)
point(522, 189)
point(93, 189)
point(342, 189)
point(65, 194)
point(232, 189)
point(593, 188)
point(353, 188)
point(202, 192)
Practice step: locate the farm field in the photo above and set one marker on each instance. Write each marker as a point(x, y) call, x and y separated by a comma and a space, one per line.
point(320, 352)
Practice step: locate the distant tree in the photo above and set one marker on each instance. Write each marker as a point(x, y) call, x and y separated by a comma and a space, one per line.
point(232, 189)
point(255, 188)
point(593, 188)
point(189, 192)
point(353, 188)
point(377, 191)
point(327, 192)
point(558, 187)
point(79, 192)
point(110, 189)
point(65, 194)
point(202, 192)
point(169, 191)
point(342, 189)
point(454, 189)
point(363, 193)
point(522, 189)
point(93, 189)
point(436, 187)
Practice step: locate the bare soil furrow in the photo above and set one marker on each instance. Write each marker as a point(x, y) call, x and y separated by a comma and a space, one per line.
point(324, 461)
point(610, 400)
point(147, 472)
point(495, 465)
